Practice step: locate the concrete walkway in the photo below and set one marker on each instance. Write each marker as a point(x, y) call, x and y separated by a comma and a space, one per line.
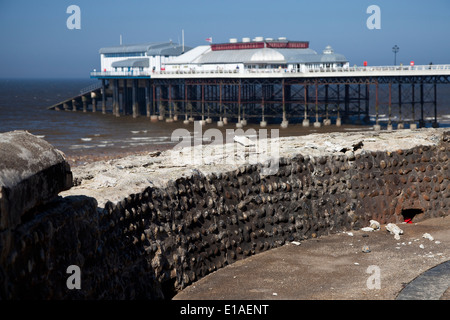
point(336, 268)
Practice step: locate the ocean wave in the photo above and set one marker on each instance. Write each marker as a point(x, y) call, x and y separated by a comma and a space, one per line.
point(77, 146)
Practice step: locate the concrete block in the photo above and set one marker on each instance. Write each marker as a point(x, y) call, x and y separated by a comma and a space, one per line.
point(32, 173)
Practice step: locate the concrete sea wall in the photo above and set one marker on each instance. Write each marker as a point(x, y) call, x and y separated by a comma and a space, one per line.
point(163, 238)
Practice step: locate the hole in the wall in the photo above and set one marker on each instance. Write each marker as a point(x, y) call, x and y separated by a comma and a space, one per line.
point(410, 214)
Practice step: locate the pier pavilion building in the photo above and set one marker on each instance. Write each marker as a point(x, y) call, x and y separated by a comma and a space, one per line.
point(260, 54)
point(138, 59)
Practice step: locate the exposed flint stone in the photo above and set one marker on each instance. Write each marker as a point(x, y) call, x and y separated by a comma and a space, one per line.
point(350, 155)
point(322, 160)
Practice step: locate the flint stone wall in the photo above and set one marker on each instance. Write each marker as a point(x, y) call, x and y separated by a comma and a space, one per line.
point(155, 242)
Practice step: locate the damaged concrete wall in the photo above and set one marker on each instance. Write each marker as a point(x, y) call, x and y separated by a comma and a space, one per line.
point(32, 172)
point(199, 224)
point(162, 239)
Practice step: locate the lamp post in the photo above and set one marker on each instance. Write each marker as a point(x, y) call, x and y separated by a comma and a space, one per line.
point(395, 49)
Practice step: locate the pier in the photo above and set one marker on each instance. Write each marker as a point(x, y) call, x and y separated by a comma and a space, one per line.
point(263, 80)
point(402, 96)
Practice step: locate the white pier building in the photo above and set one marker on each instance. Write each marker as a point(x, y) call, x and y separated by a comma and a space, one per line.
point(257, 55)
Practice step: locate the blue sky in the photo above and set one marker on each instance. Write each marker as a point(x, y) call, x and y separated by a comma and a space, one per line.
point(35, 42)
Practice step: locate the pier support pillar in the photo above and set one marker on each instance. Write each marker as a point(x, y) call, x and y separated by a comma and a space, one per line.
point(147, 99)
point(400, 124)
point(435, 122)
point(94, 105)
point(84, 100)
point(285, 122)
point(161, 112)
point(306, 120)
point(317, 124)
point(74, 105)
point(422, 102)
point(413, 125)
point(103, 96)
point(377, 126)
point(135, 100)
point(116, 106)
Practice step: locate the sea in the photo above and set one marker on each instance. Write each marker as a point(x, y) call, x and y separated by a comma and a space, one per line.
point(82, 136)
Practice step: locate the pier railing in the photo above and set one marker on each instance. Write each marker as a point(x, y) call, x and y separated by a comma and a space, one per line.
point(90, 88)
point(341, 71)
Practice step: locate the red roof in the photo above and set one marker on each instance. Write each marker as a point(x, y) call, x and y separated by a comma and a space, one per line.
point(261, 44)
